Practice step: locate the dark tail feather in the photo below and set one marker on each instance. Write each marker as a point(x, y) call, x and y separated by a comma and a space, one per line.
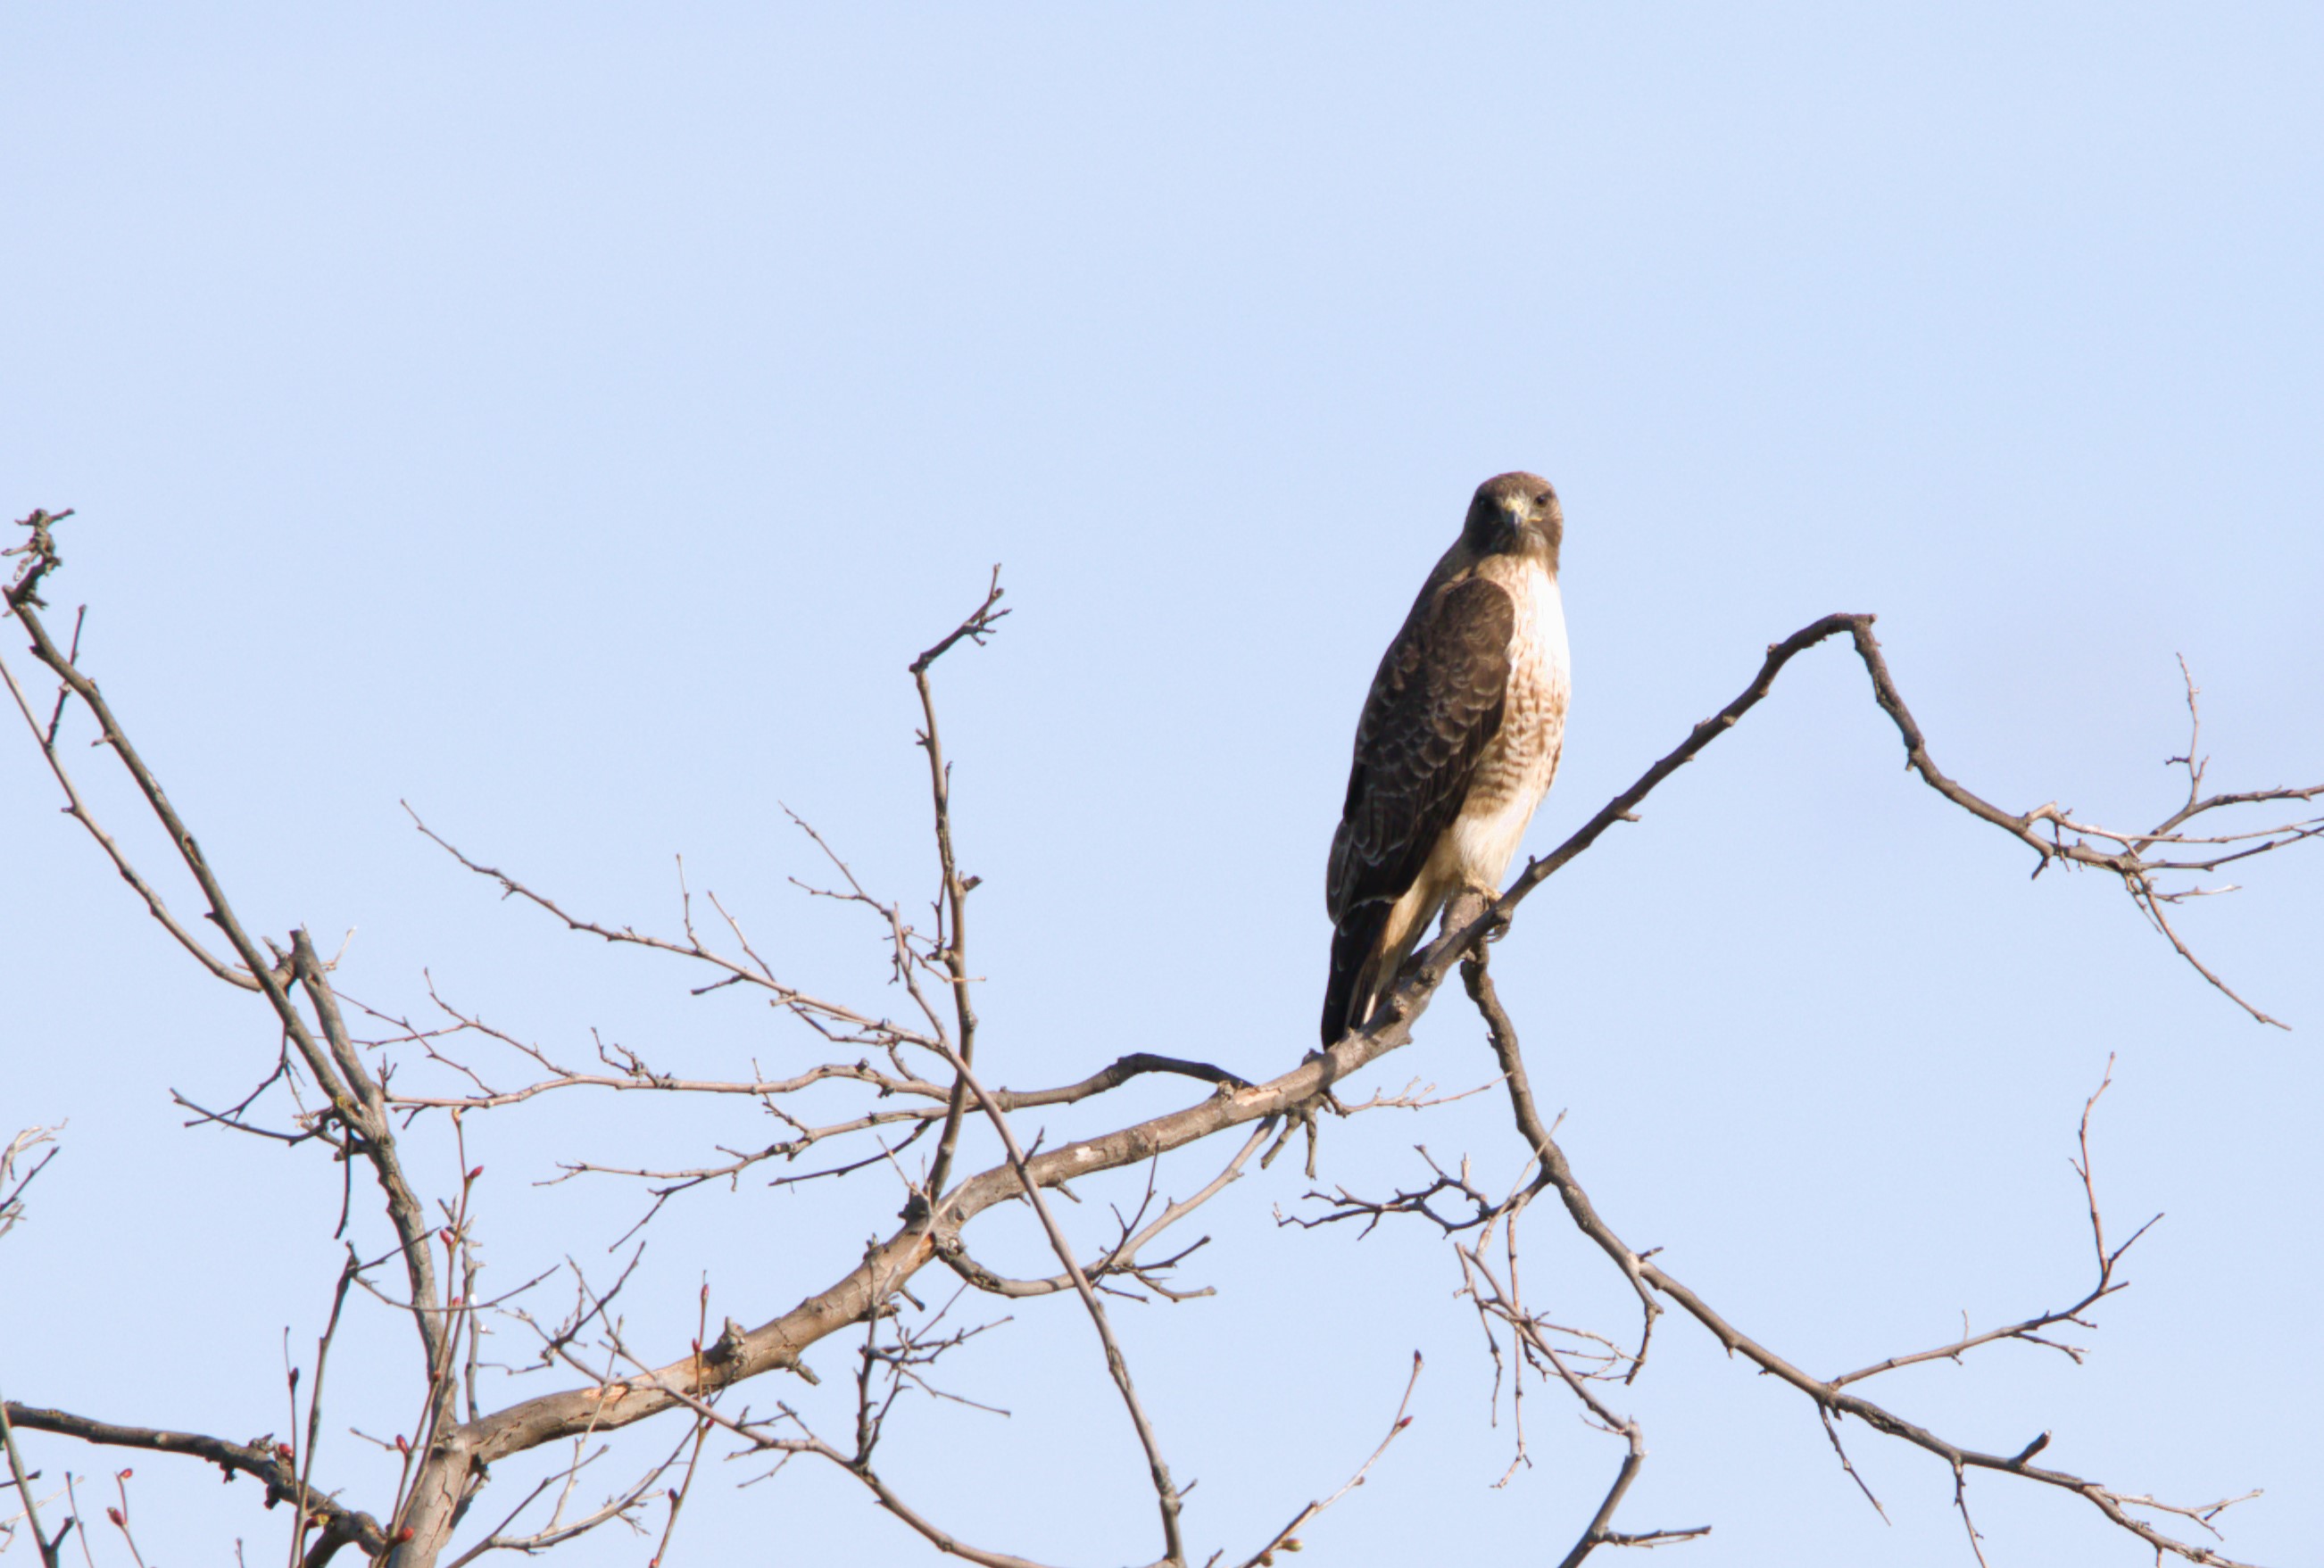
point(1355, 969)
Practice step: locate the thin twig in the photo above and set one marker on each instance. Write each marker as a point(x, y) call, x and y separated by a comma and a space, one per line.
point(953, 889)
point(1166, 1491)
point(1287, 1539)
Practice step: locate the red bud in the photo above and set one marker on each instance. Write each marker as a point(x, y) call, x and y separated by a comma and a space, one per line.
point(122, 1474)
point(114, 1514)
point(403, 1535)
point(475, 1173)
point(400, 1445)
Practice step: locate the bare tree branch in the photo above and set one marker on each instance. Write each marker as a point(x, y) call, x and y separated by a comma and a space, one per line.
point(77, 810)
point(315, 1404)
point(269, 1462)
point(2105, 1285)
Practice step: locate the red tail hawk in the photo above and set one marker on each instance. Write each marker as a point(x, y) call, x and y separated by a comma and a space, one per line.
point(1458, 742)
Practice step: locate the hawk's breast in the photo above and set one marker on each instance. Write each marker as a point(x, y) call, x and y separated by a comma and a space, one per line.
point(1515, 769)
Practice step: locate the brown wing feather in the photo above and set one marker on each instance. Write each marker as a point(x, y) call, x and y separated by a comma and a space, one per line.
point(1434, 704)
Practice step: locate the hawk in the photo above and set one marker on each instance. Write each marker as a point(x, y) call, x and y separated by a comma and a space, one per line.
point(1459, 741)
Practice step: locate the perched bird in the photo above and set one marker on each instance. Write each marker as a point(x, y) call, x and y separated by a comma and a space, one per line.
point(1458, 742)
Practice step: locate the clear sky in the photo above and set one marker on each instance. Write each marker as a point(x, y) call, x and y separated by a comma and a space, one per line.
point(570, 418)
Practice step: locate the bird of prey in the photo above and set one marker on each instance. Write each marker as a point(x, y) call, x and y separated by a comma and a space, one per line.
point(1457, 743)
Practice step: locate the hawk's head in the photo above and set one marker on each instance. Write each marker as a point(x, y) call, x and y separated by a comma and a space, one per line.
point(1516, 514)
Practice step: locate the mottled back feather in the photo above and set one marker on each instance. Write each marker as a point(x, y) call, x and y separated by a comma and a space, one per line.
point(1434, 704)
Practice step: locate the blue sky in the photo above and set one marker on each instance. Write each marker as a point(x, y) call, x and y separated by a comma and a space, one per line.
point(571, 419)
